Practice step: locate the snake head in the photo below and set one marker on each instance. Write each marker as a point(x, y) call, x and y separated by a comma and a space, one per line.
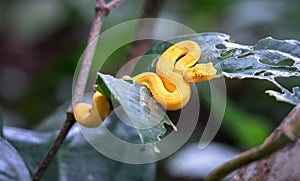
point(200, 73)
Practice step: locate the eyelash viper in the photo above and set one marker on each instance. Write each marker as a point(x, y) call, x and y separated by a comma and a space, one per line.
point(175, 69)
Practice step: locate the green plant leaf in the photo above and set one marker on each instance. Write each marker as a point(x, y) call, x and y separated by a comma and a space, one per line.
point(206, 41)
point(102, 88)
point(287, 96)
point(12, 166)
point(77, 154)
point(144, 112)
point(268, 59)
point(77, 159)
point(32, 146)
point(116, 139)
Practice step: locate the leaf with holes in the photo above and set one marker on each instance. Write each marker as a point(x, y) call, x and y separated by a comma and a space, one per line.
point(286, 96)
point(144, 113)
point(268, 59)
point(207, 42)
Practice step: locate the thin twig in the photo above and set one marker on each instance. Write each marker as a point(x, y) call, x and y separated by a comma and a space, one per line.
point(100, 3)
point(113, 4)
point(102, 10)
point(288, 133)
point(54, 147)
point(89, 53)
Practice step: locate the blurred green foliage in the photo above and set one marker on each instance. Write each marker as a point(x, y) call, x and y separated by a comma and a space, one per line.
point(41, 42)
point(76, 160)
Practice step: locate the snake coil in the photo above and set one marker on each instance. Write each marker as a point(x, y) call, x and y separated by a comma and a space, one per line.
point(170, 85)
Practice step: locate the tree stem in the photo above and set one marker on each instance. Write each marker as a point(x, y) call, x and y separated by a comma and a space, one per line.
point(54, 147)
point(102, 10)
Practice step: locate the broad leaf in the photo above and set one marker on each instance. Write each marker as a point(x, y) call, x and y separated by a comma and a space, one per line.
point(119, 141)
point(268, 59)
point(12, 166)
point(206, 41)
point(103, 88)
point(145, 114)
point(32, 146)
point(77, 154)
point(77, 159)
point(287, 96)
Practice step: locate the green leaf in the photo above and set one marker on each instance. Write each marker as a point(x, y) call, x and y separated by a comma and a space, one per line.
point(12, 167)
point(287, 96)
point(32, 146)
point(262, 61)
point(121, 142)
point(102, 87)
point(144, 112)
point(206, 41)
point(116, 124)
point(77, 159)
point(268, 59)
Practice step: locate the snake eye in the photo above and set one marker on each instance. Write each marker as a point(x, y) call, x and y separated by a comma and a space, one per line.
point(200, 72)
point(198, 75)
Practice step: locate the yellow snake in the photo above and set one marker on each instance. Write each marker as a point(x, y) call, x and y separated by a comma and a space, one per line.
point(170, 85)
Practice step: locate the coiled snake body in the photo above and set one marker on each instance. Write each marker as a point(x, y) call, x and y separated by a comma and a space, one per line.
point(175, 69)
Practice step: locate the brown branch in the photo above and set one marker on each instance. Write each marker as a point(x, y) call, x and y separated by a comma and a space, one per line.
point(54, 147)
point(102, 10)
point(282, 136)
point(111, 5)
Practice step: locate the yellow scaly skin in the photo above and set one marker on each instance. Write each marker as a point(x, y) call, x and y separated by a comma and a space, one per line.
point(92, 115)
point(175, 69)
